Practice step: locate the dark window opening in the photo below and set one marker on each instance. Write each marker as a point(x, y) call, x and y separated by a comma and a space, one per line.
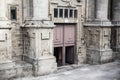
point(61, 13)
point(66, 13)
point(55, 12)
point(13, 13)
point(71, 13)
point(110, 9)
point(78, 0)
point(75, 13)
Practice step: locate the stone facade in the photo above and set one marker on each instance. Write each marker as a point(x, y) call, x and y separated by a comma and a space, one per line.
point(27, 34)
point(101, 30)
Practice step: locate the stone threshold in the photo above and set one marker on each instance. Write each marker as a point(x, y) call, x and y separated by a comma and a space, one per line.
point(70, 67)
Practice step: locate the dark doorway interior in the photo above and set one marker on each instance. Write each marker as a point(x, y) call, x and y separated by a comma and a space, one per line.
point(69, 57)
point(64, 42)
point(113, 38)
point(58, 55)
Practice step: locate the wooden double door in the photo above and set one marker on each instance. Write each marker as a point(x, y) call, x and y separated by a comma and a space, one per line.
point(64, 43)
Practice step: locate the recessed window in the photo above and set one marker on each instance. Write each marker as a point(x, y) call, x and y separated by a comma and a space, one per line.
point(55, 12)
point(13, 12)
point(66, 13)
point(71, 13)
point(60, 12)
point(78, 0)
point(75, 13)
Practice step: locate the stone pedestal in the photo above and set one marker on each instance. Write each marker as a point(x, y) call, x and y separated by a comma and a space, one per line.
point(6, 62)
point(5, 44)
point(98, 44)
point(38, 46)
point(99, 56)
point(44, 65)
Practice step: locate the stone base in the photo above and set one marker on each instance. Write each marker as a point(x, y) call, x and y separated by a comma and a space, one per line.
point(14, 70)
point(99, 56)
point(43, 65)
point(117, 53)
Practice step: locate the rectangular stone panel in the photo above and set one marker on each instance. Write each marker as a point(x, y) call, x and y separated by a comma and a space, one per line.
point(2, 37)
point(45, 35)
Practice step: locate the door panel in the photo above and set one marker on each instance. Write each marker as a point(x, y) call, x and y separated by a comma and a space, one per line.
point(69, 34)
point(66, 32)
point(58, 34)
point(64, 37)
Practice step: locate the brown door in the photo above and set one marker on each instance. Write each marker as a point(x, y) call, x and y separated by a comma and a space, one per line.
point(69, 34)
point(58, 35)
point(64, 36)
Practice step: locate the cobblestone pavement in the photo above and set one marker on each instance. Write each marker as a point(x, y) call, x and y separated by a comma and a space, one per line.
point(109, 71)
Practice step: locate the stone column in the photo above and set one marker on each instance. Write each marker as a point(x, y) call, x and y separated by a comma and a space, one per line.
point(98, 35)
point(3, 16)
point(102, 7)
point(90, 9)
point(116, 10)
point(38, 40)
point(40, 9)
point(2, 9)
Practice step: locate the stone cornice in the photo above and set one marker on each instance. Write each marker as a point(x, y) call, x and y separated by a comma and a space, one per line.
point(38, 24)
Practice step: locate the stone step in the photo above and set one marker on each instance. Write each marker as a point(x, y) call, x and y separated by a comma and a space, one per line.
point(70, 67)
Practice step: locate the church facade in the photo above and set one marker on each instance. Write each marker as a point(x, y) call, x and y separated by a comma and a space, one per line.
point(37, 36)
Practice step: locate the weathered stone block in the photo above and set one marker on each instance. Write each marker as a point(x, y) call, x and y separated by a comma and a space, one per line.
point(99, 56)
point(44, 66)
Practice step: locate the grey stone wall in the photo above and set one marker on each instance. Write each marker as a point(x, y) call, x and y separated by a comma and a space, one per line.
point(98, 44)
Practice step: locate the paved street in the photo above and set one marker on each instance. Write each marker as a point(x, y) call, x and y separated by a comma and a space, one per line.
point(109, 71)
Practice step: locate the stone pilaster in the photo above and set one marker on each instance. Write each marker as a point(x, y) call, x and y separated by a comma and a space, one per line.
point(98, 35)
point(90, 14)
point(102, 7)
point(40, 8)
